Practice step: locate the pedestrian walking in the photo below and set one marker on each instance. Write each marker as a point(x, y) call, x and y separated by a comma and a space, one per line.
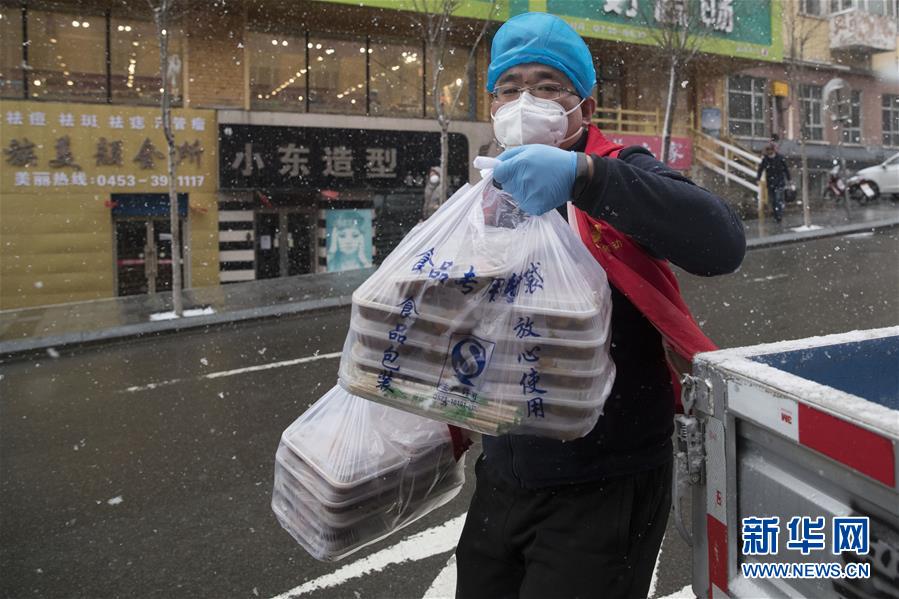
point(777, 174)
point(585, 518)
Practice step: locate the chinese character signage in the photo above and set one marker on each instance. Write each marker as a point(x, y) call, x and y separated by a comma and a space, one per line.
point(348, 238)
point(56, 147)
point(680, 152)
point(815, 537)
point(744, 28)
point(286, 158)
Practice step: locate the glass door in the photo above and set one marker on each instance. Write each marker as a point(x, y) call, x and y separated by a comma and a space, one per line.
point(283, 243)
point(144, 255)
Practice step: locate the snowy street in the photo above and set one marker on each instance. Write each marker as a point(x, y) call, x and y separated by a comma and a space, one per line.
point(144, 468)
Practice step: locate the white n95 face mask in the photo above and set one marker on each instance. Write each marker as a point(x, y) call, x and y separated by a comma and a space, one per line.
point(530, 120)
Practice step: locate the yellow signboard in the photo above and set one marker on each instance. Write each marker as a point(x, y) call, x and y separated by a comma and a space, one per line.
point(102, 148)
point(62, 168)
point(780, 88)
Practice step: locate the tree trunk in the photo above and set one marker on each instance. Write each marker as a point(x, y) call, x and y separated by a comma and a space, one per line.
point(444, 160)
point(803, 151)
point(669, 111)
point(806, 209)
point(162, 13)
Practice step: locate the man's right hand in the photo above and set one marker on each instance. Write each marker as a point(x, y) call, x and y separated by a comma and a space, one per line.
point(538, 177)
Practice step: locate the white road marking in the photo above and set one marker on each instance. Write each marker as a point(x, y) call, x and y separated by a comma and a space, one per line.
point(684, 593)
point(432, 541)
point(217, 375)
point(654, 582)
point(444, 586)
point(236, 371)
point(768, 278)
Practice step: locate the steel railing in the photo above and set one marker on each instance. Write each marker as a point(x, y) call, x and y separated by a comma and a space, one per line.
point(729, 160)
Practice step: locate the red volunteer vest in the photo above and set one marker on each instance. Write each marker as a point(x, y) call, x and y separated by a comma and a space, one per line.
point(646, 281)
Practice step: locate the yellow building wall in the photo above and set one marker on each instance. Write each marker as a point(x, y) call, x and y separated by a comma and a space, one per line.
point(57, 242)
point(886, 64)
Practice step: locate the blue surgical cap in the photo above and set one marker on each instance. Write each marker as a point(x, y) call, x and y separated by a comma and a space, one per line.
point(546, 39)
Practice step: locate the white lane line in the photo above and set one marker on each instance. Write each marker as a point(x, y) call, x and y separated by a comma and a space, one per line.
point(654, 581)
point(417, 547)
point(217, 375)
point(444, 586)
point(236, 371)
point(769, 278)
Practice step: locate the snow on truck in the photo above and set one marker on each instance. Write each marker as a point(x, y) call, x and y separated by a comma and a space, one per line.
point(789, 454)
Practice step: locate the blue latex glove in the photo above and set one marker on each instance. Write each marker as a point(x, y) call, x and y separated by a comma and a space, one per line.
point(538, 177)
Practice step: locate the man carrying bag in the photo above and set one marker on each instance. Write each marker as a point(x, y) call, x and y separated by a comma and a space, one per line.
point(585, 518)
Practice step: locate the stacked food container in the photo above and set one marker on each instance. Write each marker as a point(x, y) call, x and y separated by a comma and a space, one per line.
point(485, 335)
point(349, 472)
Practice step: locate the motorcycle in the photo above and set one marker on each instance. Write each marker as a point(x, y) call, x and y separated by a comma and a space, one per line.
point(836, 186)
point(863, 191)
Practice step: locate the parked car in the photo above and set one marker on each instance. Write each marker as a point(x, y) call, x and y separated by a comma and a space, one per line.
point(869, 183)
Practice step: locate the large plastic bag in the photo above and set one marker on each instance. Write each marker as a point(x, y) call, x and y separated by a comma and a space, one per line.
point(349, 472)
point(486, 318)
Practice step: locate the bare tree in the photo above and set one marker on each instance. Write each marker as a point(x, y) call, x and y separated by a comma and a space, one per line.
point(162, 15)
point(677, 30)
point(435, 20)
point(800, 31)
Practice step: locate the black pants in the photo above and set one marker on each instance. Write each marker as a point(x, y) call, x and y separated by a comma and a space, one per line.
point(776, 195)
point(597, 540)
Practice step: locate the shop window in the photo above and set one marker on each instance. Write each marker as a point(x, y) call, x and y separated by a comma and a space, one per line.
point(337, 82)
point(278, 71)
point(395, 79)
point(134, 62)
point(840, 5)
point(67, 56)
point(890, 104)
point(813, 7)
point(609, 87)
point(746, 106)
point(852, 129)
point(812, 125)
point(11, 54)
point(455, 77)
point(878, 7)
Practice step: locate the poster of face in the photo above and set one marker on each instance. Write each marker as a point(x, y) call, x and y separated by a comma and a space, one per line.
point(348, 237)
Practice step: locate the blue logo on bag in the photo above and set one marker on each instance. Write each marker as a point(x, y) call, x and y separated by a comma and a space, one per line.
point(468, 356)
point(468, 359)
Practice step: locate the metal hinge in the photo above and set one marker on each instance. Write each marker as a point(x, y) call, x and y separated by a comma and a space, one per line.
point(689, 454)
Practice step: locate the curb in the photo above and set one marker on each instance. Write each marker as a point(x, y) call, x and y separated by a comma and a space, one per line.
point(9, 349)
point(827, 231)
point(24, 346)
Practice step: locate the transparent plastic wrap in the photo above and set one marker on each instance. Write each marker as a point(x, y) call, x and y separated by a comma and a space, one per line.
point(349, 472)
point(486, 318)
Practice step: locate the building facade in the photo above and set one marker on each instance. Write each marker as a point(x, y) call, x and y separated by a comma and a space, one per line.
point(851, 40)
point(306, 132)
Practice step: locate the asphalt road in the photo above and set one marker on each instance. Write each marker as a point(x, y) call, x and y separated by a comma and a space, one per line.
point(144, 468)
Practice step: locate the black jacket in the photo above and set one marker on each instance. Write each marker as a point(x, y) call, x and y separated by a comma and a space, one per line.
point(673, 219)
point(777, 173)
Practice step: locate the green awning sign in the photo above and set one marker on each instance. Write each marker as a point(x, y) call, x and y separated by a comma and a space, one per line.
point(740, 28)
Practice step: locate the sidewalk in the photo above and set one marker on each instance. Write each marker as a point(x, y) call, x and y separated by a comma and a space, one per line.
point(826, 221)
point(46, 327)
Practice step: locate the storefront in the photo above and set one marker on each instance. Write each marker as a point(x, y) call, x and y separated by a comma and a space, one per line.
point(85, 208)
point(297, 200)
